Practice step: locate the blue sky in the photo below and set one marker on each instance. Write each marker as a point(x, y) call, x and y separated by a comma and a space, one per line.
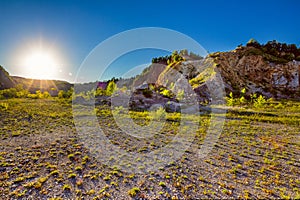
point(74, 27)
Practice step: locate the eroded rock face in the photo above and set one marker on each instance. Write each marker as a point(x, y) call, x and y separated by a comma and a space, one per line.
point(259, 76)
point(238, 71)
point(219, 74)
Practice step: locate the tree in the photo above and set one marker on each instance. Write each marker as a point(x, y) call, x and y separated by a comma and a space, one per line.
point(252, 42)
point(174, 53)
point(184, 52)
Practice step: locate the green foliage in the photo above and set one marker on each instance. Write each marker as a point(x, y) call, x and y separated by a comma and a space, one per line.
point(39, 95)
point(99, 92)
point(253, 97)
point(160, 113)
point(61, 94)
point(4, 106)
point(65, 95)
point(201, 78)
point(230, 101)
point(259, 102)
point(180, 95)
point(8, 93)
point(133, 191)
point(111, 87)
point(46, 95)
point(274, 51)
point(166, 93)
point(242, 99)
point(253, 42)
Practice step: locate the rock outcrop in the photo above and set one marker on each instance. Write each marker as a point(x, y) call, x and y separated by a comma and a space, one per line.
point(239, 69)
point(5, 80)
point(257, 75)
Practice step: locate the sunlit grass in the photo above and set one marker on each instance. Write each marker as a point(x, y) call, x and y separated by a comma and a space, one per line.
point(256, 155)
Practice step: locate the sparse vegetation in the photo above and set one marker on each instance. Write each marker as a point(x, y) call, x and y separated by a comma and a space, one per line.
point(257, 143)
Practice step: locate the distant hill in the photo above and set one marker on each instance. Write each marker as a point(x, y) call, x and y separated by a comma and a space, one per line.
point(32, 85)
point(5, 80)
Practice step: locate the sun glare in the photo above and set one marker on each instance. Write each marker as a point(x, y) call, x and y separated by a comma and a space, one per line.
point(40, 65)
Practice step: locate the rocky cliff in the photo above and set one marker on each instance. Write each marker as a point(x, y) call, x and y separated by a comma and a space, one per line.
point(240, 68)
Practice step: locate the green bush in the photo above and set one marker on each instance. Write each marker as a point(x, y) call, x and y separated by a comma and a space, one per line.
point(65, 95)
point(46, 95)
point(166, 93)
point(259, 102)
point(230, 101)
point(111, 88)
point(3, 106)
point(9, 93)
point(160, 113)
point(180, 95)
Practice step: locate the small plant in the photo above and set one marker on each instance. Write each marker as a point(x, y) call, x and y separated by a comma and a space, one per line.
point(114, 183)
point(131, 176)
point(79, 182)
point(86, 158)
point(259, 102)
point(66, 187)
point(71, 156)
point(162, 184)
point(78, 168)
point(55, 172)
point(91, 192)
point(230, 100)
point(15, 133)
point(72, 175)
point(19, 179)
point(3, 106)
point(43, 179)
point(133, 191)
point(158, 114)
point(107, 178)
point(37, 185)
point(225, 191)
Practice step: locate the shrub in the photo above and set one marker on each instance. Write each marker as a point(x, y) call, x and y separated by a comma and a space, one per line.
point(230, 101)
point(132, 192)
point(259, 102)
point(166, 93)
point(46, 95)
point(160, 113)
point(9, 93)
point(3, 106)
point(180, 95)
point(111, 87)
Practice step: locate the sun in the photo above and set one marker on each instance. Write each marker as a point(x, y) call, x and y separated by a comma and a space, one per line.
point(40, 65)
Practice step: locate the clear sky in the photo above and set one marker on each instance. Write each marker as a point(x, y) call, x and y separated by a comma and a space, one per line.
point(70, 29)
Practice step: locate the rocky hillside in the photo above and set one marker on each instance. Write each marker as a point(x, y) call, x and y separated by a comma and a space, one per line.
point(5, 80)
point(242, 69)
point(52, 86)
point(261, 69)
